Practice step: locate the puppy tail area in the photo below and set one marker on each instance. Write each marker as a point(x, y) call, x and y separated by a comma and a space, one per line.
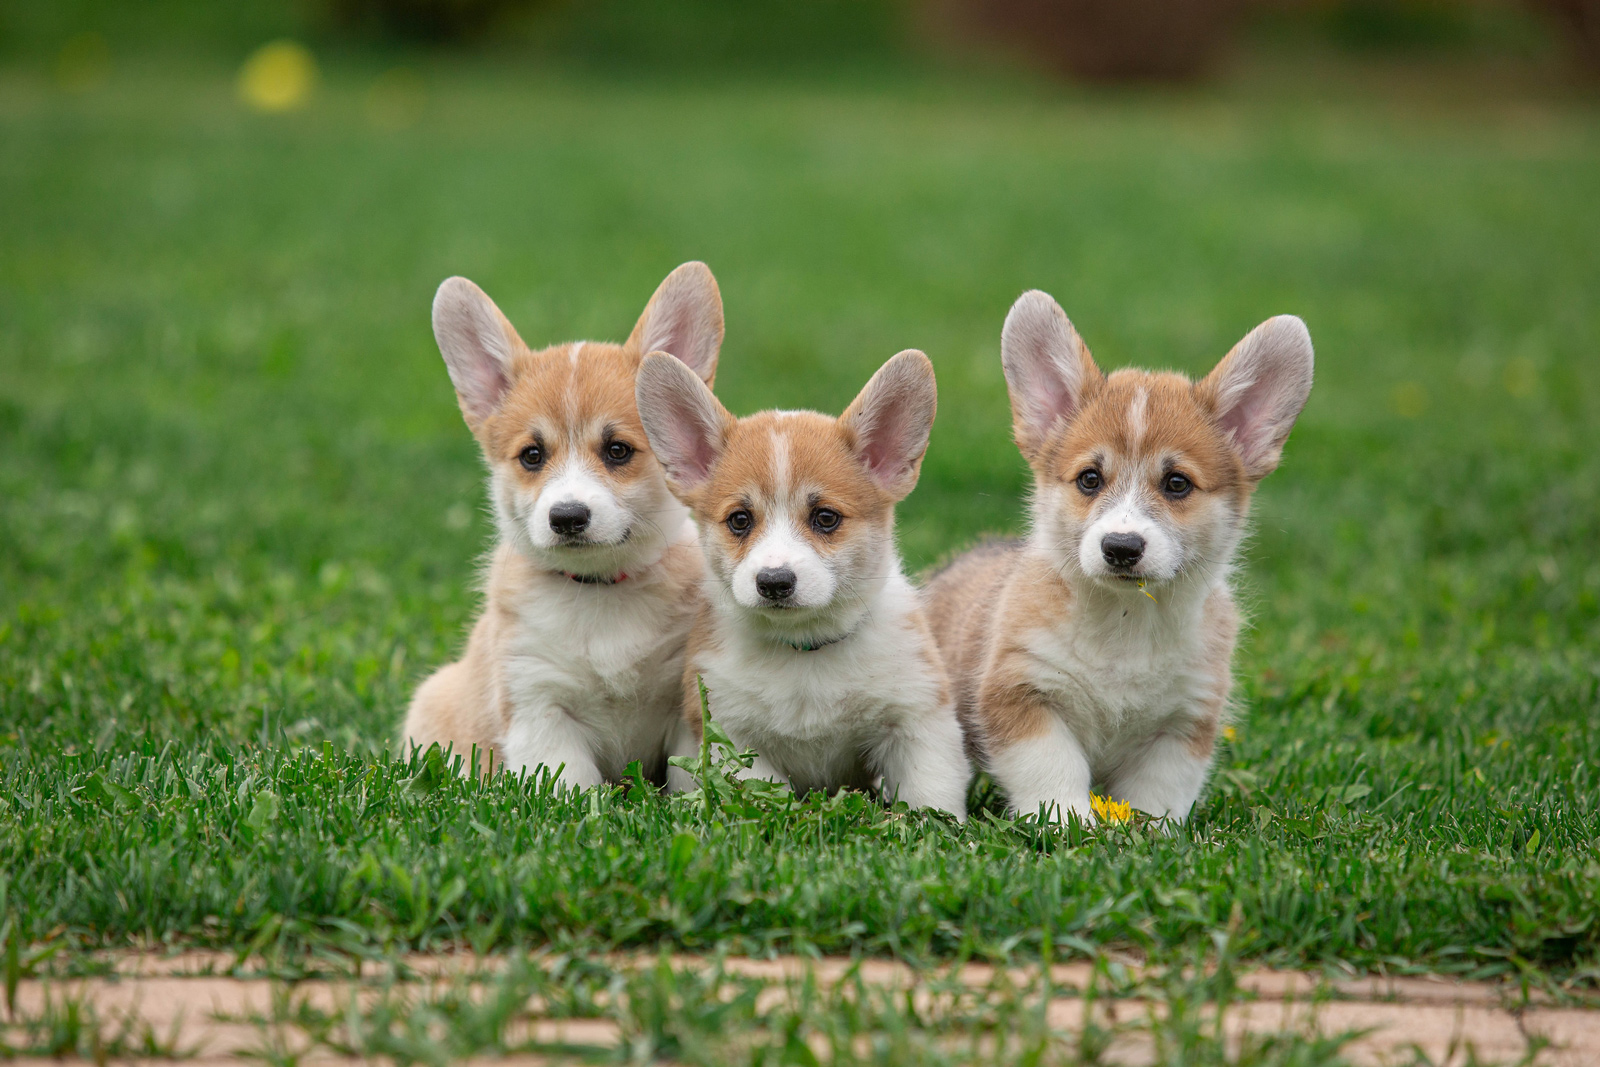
point(447, 711)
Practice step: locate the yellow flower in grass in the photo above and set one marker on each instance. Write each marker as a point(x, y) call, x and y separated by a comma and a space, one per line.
point(280, 76)
point(1108, 810)
point(1230, 734)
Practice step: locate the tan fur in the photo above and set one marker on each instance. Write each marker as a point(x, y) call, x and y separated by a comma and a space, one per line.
point(987, 606)
point(816, 445)
point(813, 646)
point(819, 456)
point(1027, 632)
point(987, 610)
point(462, 705)
point(568, 398)
point(700, 642)
point(1222, 618)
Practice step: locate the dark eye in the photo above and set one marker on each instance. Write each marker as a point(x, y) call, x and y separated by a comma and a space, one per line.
point(1089, 481)
point(618, 452)
point(1177, 485)
point(826, 520)
point(740, 521)
point(532, 457)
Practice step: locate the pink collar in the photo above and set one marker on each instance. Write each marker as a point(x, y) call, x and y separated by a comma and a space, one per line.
point(587, 579)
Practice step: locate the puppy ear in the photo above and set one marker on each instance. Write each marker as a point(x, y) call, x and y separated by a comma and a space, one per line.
point(891, 419)
point(1259, 388)
point(684, 318)
point(477, 344)
point(1048, 368)
point(685, 423)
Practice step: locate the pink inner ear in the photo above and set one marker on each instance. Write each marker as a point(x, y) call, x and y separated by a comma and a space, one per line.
point(1243, 420)
point(1050, 398)
point(1045, 363)
point(1261, 387)
point(484, 384)
point(683, 419)
point(884, 445)
point(695, 452)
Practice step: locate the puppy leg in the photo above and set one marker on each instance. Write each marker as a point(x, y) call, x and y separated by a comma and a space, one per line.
point(924, 764)
point(548, 737)
point(1048, 770)
point(681, 741)
point(1164, 778)
point(446, 711)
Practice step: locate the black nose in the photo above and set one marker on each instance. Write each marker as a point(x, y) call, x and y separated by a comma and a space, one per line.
point(569, 517)
point(775, 583)
point(1122, 549)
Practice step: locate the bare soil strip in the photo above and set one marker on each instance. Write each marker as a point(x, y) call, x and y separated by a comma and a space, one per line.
point(215, 1011)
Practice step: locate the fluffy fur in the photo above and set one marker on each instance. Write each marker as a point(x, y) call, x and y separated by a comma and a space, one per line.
point(575, 662)
point(1098, 651)
point(811, 642)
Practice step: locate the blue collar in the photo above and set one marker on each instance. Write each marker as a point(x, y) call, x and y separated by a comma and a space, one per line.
point(813, 646)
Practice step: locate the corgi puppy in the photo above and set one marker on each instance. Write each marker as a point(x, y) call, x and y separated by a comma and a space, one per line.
point(1097, 652)
point(575, 662)
point(811, 642)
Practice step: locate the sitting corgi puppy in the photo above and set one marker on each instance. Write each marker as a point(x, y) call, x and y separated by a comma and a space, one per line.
point(1098, 651)
point(811, 642)
point(575, 662)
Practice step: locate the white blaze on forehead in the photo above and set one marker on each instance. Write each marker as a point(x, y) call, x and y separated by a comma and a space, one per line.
point(572, 383)
point(780, 464)
point(1136, 420)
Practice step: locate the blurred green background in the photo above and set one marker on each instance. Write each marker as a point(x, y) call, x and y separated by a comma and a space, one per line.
point(240, 516)
point(234, 485)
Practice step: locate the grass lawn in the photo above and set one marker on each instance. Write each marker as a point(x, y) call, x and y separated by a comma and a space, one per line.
point(239, 512)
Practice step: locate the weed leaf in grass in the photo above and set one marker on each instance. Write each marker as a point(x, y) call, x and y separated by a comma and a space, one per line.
point(109, 793)
point(719, 770)
point(264, 811)
point(431, 772)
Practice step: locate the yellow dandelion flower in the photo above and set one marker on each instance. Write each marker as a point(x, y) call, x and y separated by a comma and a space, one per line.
point(1108, 810)
point(280, 76)
point(1230, 734)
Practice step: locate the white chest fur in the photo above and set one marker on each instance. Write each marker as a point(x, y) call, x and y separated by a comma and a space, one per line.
point(607, 657)
point(818, 717)
point(1119, 672)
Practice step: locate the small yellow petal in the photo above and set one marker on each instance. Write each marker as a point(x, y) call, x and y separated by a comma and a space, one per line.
point(1108, 810)
point(1230, 734)
point(278, 77)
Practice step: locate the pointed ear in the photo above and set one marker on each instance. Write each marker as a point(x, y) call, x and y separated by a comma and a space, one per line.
point(477, 344)
point(684, 318)
point(891, 419)
point(685, 423)
point(1259, 388)
point(1048, 368)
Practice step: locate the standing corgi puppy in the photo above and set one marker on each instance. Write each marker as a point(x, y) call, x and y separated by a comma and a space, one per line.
point(1098, 651)
point(811, 642)
point(576, 660)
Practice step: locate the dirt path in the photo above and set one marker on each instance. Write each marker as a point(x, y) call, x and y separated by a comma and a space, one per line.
point(218, 1017)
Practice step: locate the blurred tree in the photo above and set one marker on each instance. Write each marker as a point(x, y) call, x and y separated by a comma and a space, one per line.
point(1581, 19)
point(1105, 40)
point(425, 20)
point(1399, 23)
point(688, 34)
